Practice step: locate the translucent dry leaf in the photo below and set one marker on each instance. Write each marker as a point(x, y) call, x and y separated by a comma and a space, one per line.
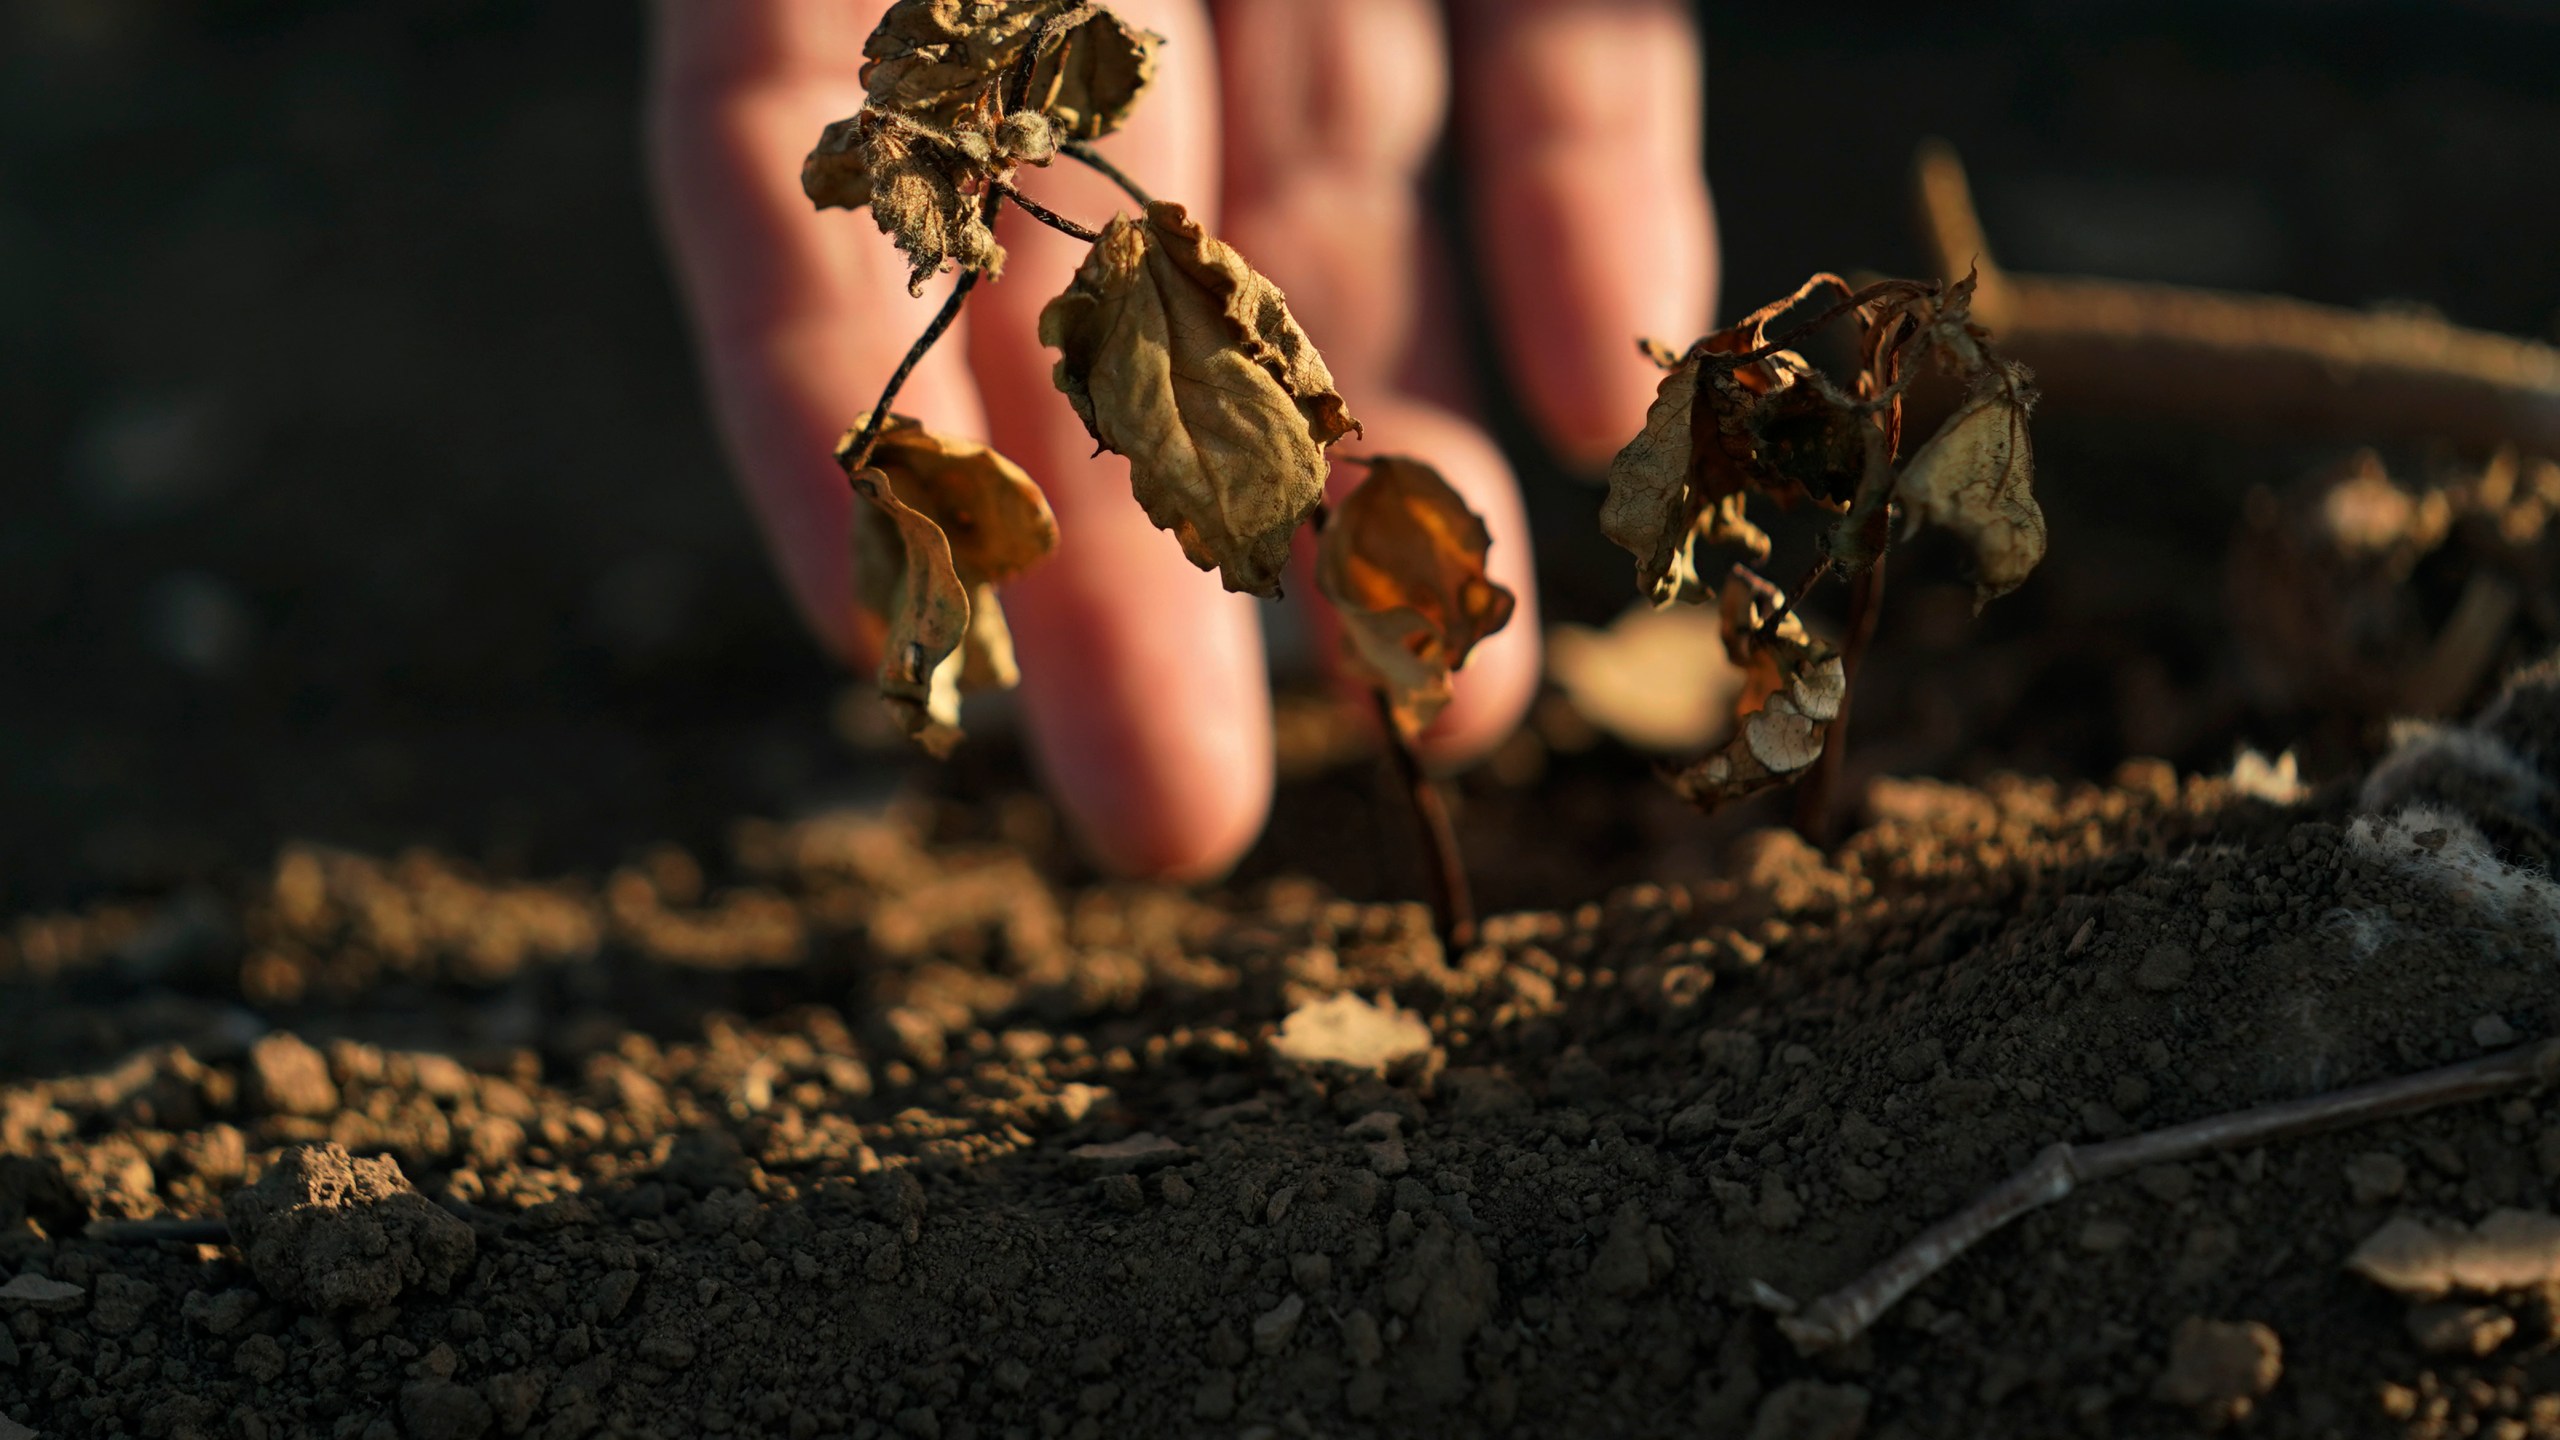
point(910, 583)
point(1181, 357)
point(1403, 561)
point(1792, 691)
point(1647, 511)
point(1678, 482)
point(948, 520)
point(1976, 477)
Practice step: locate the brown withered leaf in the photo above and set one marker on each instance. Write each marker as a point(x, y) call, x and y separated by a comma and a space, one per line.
point(906, 577)
point(1792, 691)
point(1180, 356)
point(1402, 559)
point(934, 59)
point(1647, 511)
point(1090, 79)
point(917, 201)
point(1976, 477)
point(948, 520)
point(837, 174)
point(998, 521)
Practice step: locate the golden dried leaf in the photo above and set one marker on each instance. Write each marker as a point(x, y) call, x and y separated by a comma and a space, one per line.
point(934, 59)
point(907, 578)
point(1976, 477)
point(995, 517)
point(1180, 356)
point(1402, 559)
point(1091, 79)
point(1647, 512)
point(948, 519)
point(1792, 691)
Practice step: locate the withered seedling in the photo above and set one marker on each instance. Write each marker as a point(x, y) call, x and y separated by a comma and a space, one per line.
point(1173, 350)
point(1740, 415)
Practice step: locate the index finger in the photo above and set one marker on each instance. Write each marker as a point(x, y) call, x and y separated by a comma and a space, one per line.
point(1584, 134)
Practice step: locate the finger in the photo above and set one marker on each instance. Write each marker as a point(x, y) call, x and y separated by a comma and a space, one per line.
point(1584, 134)
point(1495, 686)
point(799, 315)
point(1332, 107)
point(1142, 678)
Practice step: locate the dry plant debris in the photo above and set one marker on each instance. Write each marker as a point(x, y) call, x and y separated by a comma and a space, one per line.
point(1182, 357)
point(1792, 690)
point(1402, 560)
point(1740, 415)
point(948, 521)
point(2255, 360)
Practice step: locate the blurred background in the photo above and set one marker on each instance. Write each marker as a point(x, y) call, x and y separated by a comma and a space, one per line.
point(356, 487)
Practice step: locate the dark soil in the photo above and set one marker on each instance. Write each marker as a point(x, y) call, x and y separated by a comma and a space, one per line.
point(409, 766)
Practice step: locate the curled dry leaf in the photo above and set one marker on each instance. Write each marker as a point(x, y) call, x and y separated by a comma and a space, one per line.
point(1091, 79)
point(1402, 559)
point(1680, 480)
point(936, 131)
point(934, 59)
point(948, 520)
point(1180, 356)
point(1976, 477)
point(1792, 691)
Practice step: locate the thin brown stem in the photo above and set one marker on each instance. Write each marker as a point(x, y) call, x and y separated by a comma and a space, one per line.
point(1044, 214)
point(853, 457)
point(1083, 152)
point(1453, 906)
point(1844, 1314)
point(1816, 803)
point(2263, 361)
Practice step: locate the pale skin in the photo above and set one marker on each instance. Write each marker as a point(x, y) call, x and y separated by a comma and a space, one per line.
point(1297, 130)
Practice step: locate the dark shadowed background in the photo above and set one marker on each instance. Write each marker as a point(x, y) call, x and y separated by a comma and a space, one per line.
point(353, 483)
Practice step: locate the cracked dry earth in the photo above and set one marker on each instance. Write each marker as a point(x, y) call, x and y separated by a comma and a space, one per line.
point(870, 1136)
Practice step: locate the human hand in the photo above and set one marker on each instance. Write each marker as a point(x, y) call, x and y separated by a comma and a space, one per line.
point(1307, 123)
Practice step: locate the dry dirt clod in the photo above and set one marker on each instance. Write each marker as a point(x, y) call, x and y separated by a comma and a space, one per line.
point(329, 1231)
point(2453, 1328)
point(287, 1076)
point(2221, 1368)
point(1811, 1410)
point(1347, 1030)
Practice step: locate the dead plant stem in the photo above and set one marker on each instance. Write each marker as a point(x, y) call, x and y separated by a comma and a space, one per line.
point(1453, 905)
point(1816, 800)
point(1047, 216)
point(2257, 360)
point(1083, 152)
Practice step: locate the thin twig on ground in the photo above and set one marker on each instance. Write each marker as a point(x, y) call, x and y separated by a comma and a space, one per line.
point(2259, 360)
point(1844, 1314)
